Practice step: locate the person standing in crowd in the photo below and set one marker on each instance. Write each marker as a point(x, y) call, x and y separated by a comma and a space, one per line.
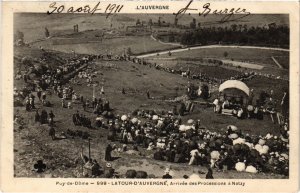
point(81, 99)
point(52, 133)
point(51, 118)
point(84, 106)
point(181, 109)
point(44, 97)
point(240, 113)
point(39, 94)
point(209, 174)
point(63, 103)
point(37, 117)
point(109, 171)
point(270, 108)
point(174, 111)
point(216, 103)
point(251, 97)
point(108, 151)
point(271, 94)
point(95, 169)
point(44, 116)
point(32, 97)
point(167, 174)
point(148, 94)
point(285, 104)
point(87, 103)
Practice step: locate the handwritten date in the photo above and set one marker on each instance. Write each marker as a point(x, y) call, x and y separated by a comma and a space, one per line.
point(109, 9)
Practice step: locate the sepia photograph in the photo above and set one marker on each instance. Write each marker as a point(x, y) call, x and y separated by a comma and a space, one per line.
point(152, 96)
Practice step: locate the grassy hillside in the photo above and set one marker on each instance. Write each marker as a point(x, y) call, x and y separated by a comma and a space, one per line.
point(256, 56)
point(62, 156)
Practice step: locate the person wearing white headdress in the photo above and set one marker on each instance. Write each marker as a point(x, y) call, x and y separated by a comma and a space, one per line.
point(194, 155)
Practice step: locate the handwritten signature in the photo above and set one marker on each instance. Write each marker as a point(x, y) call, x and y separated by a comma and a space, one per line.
point(109, 9)
point(228, 13)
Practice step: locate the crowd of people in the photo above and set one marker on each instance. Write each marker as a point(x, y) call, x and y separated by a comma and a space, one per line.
point(166, 136)
point(255, 107)
point(172, 141)
point(81, 120)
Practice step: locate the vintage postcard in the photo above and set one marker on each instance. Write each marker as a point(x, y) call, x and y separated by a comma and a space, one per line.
point(149, 96)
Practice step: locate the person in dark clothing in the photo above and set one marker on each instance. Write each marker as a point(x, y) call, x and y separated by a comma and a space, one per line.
point(148, 94)
point(37, 117)
point(285, 104)
point(101, 109)
point(95, 169)
point(158, 155)
point(25, 78)
point(32, 101)
point(167, 174)
point(112, 132)
point(84, 106)
point(74, 118)
point(28, 107)
point(44, 96)
point(181, 109)
point(209, 174)
point(106, 106)
point(51, 116)
point(175, 112)
point(44, 116)
point(109, 171)
point(108, 151)
point(228, 162)
point(52, 133)
point(39, 94)
point(81, 99)
point(170, 154)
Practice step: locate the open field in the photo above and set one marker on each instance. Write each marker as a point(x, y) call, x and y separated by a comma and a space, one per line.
point(197, 67)
point(256, 56)
point(137, 44)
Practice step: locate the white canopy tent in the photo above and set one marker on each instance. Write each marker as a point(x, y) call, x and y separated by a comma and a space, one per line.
point(235, 89)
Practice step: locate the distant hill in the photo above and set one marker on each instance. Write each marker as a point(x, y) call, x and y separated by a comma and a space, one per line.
point(33, 24)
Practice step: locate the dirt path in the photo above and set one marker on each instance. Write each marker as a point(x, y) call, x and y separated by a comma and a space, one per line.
point(207, 47)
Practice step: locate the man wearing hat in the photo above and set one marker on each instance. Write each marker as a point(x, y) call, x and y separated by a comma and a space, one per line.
point(109, 171)
point(95, 168)
point(167, 174)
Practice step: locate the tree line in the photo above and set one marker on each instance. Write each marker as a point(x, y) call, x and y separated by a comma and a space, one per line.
point(275, 36)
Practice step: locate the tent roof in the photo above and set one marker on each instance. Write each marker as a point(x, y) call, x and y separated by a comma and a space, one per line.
point(234, 84)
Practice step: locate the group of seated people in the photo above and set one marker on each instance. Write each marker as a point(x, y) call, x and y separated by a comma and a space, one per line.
point(200, 146)
point(237, 108)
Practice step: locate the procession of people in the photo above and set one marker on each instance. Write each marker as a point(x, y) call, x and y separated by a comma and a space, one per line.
point(163, 134)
